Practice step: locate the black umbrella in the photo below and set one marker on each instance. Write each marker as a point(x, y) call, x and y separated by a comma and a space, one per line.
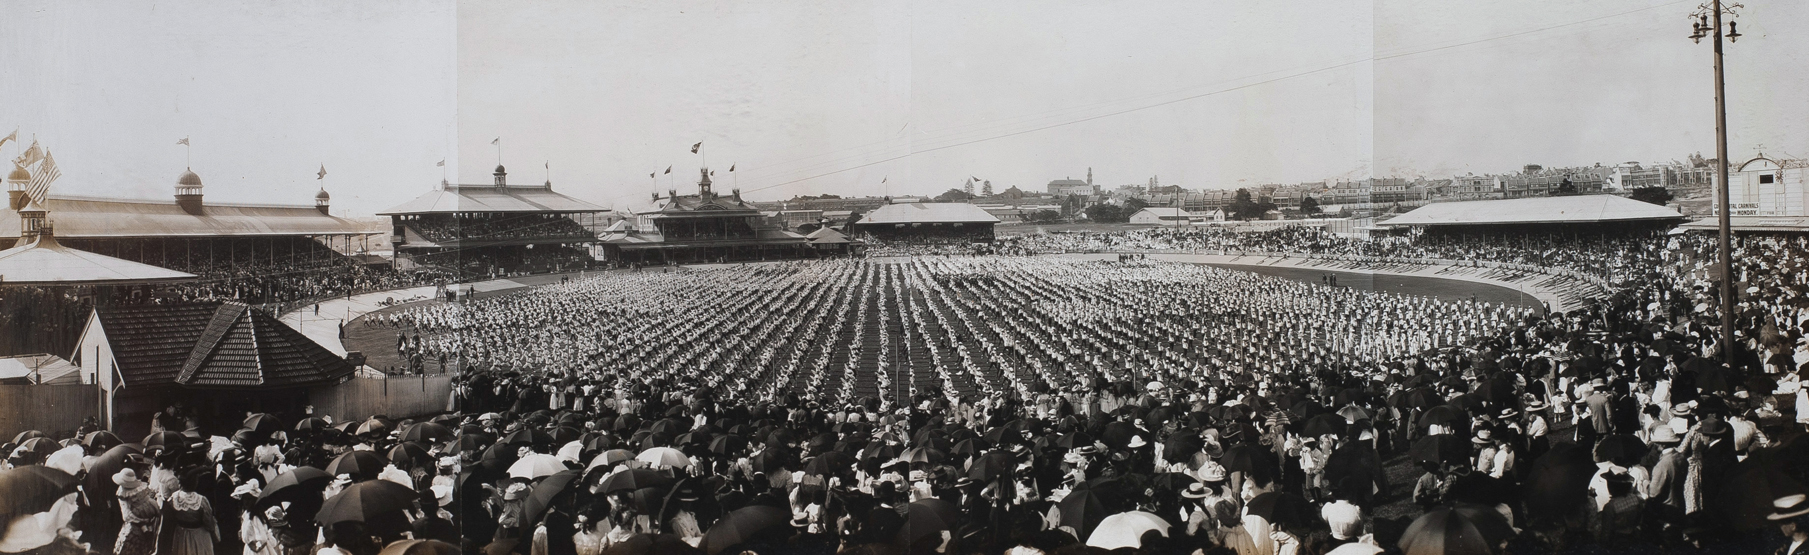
point(1325, 423)
point(832, 463)
point(99, 483)
point(743, 524)
point(1559, 480)
point(992, 465)
point(410, 455)
point(168, 441)
point(1463, 529)
point(526, 436)
point(100, 441)
point(311, 424)
point(727, 445)
point(926, 519)
point(427, 432)
point(1443, 415)
point(366, 501)
point(544, 492)
point(647, 544)
point(362, 465)
point(32, 489)
point(25, 435)
point(1621, 449)
point(1440, 449)
point(969, 447)
point(263, 423)
point(635, 478)
point(1283, 508)
point(420, 547)
point(1074, 440)
point(300, 483)
point(1082, 509)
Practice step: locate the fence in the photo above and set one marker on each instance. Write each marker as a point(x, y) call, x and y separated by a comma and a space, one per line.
point(397, 397)
point(56, 409)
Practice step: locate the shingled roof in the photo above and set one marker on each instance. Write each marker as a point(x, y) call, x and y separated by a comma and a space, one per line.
point(214, 345)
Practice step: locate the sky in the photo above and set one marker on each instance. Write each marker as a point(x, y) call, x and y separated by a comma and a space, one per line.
point(889, 97)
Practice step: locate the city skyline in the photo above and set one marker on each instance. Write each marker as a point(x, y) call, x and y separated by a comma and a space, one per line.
point(869, 99)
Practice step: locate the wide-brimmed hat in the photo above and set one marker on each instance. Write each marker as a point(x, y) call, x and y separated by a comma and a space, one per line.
point(1195, 490)
point(1484, 436)
point(1536, 405)
point(1664, 434)
point(1089, 450)
point(1137, 441)
point(127, 478)
point(1789, 506)
point(1682, 410)
point(515, 491)
point(1212, 472)
point(1713, 428)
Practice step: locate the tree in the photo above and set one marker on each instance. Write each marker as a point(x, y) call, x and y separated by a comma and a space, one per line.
point(1243, 207)
point(1133, 205)
point(953, 195)
point(853, 217)
point(1046, 216)
point(1107, 214)
point(1654, 195)
point(1310, 206)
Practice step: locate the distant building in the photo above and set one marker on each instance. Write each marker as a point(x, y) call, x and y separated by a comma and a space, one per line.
point(929, 219)
point(1766, 187)
point(1067, 187)
point(1174, 216)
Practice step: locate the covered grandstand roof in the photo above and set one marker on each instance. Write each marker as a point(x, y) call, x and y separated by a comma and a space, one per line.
point(928, 212)
point(827, 236)
point(99, 218)
point(490, 198)
point(46, 262)
point(1786, 224)
point(1541, 210)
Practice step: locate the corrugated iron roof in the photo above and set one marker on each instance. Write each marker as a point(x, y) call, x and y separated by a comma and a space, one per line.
point(215, 345)
point(489, 198)
point(927, 212)
point(46, 262)
point(1540, 210)
point(97, 218)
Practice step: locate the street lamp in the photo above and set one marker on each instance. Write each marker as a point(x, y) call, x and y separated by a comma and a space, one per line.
point(1708, 23)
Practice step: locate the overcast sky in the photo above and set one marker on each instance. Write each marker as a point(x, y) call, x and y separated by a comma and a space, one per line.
point(808, 97)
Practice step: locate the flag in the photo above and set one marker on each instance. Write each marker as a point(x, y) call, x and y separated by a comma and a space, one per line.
point(496, 141)
point(976, 179)
point(31, 156)
point(40, 180)
point(12, 137)
point(696, 146)
point(731, 167)
point(323, 172)
point(183, 142)
point(440, 164)
point(651, 175)
point(668, 169)
point(883, 179)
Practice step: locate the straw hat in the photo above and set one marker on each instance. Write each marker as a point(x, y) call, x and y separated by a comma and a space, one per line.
point(1789, 506)
point(128, 479)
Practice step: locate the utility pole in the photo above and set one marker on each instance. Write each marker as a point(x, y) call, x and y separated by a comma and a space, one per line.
point(1715, 9)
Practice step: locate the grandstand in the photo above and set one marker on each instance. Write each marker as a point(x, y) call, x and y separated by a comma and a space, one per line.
point(487, 230)
point(937, 220)
point(705, 227)
point(1572, 213)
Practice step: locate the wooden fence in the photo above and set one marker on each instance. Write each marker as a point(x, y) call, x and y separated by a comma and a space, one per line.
point(55, 409)
point(396, 397)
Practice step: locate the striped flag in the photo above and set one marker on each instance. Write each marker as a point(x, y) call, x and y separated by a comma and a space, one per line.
point(31, 156)
point(441, 164)
point(41, 179)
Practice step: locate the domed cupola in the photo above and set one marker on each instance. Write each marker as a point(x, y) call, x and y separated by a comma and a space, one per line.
point(322, 200)
point(15, 187)
point(188, 192)
point(502, 176)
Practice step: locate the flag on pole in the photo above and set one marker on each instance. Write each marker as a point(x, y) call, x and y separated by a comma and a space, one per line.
point(696, 146)
point(31, 156)
point(12, 137)
point(323, 172)
point(668, 169)
point(440, 164)
point(651, 175)
point(183, 141)
point(40, 180)
point(976, 179)
point(731, 167)
point(496, 141)
point(883, 179)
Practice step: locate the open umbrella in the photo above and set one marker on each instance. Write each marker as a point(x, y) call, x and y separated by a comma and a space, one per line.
point(410, 455)
point(649, 544)
point(536, 465)
point(1281, 508)
point(1082, 509)
point(41, 447)
point(1126, 530)
point(992, 465)
point(743, 524)
point(98, 485)
point(969, 447)
point(633, 479)
point(366, 501)
point(926, 519)
point(25, 435)
point(545, 491)
point(32, 489)
point(922, 455)
point(1463, 529)
point(832, 463)
point(1245, 458)
point(362, 465)
point(311, 424)
point(610, 457)
point(526, 436)
point(302, 482)
point(1621, 449)
point(1324, 423)
point(372, 426)
point(419, 547)
point(1558, 480)
point(727, 445)
point(263, 423)
point(1439, 449)
point(167, 441)
point(664, 457)
point(1443, 415)
point(427, 432)
point(100, 441)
